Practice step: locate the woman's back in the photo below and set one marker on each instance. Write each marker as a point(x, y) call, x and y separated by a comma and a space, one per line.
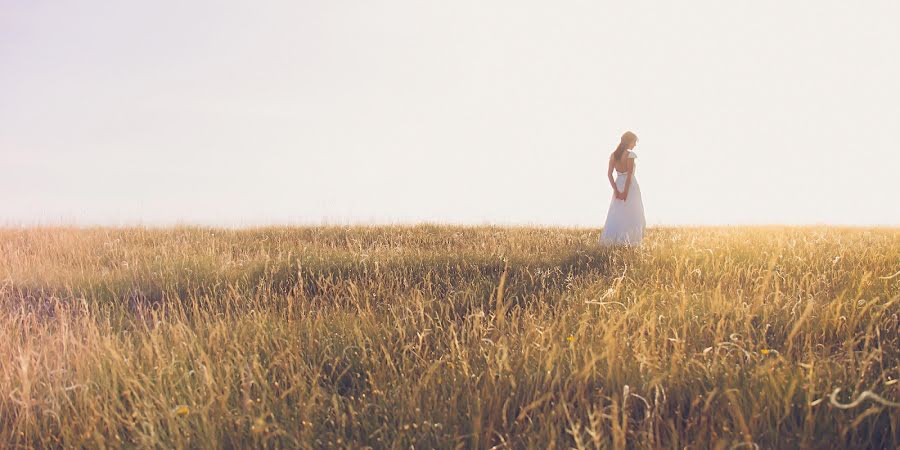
point(622, 164)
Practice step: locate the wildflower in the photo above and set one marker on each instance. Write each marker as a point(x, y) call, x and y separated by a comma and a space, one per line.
point(182, 410)
point(571, 338)
point(766, 351)
point(259, 425)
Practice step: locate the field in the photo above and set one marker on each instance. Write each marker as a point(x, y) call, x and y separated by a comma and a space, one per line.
point(434, 336)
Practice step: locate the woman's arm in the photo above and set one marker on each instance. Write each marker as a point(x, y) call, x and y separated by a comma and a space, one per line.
point(629, 167)
point(609, 176)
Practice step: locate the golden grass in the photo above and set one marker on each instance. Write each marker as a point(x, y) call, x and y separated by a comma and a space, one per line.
point(434, 336)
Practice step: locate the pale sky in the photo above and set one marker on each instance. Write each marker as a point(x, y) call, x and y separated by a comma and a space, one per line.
point(503, 112)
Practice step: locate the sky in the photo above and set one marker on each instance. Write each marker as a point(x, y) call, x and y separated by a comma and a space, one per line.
point(245, 113)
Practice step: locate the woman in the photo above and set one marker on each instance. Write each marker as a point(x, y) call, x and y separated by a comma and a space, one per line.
point(625, 219)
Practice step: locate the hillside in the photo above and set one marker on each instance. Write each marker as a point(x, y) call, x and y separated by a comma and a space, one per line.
point(434, 336)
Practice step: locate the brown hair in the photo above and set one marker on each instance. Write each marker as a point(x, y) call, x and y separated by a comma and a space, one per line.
point(628, 139)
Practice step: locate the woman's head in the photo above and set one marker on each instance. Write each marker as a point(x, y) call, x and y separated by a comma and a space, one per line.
point(629, 140)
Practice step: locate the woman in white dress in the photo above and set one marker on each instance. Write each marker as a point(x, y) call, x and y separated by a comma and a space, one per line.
point(625, 220)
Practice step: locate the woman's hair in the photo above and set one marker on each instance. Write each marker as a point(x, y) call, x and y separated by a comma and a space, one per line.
point(628, 140)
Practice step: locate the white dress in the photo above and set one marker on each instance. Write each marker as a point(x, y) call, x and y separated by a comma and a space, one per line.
point(625, 220)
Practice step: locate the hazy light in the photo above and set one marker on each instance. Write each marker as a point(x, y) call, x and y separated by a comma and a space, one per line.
point(229, 113)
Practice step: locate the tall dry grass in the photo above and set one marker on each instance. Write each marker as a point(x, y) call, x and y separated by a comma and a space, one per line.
point(443, 337)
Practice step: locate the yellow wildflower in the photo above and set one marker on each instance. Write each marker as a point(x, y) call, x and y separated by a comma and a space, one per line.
point(182, 410)
point(571, 338)
point(259, 425)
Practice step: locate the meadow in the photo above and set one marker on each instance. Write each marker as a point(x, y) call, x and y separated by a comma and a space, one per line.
point(441, 337)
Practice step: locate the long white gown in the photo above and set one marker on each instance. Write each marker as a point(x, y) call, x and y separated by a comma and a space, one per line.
point(625, 220)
